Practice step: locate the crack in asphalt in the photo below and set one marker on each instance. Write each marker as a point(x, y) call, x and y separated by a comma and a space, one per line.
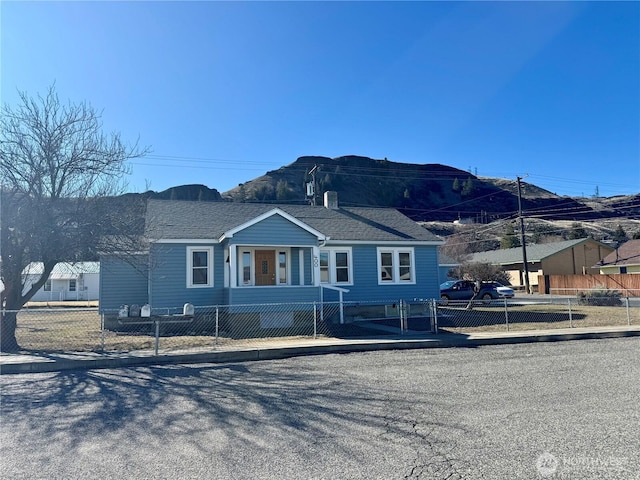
point(431, 459)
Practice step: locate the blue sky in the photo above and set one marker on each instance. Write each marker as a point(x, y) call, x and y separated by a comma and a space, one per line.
point(224, 91)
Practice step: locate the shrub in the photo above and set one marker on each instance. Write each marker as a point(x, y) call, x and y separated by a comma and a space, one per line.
point(601, 297)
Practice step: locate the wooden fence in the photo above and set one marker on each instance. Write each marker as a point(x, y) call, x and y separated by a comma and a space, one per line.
point(627, 284)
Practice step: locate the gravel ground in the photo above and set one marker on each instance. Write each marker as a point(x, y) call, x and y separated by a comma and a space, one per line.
point(542, 410)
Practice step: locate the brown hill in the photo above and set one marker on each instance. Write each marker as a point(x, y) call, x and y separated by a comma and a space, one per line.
point(424, 192)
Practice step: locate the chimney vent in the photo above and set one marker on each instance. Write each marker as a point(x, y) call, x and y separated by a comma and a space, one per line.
point(331, 200)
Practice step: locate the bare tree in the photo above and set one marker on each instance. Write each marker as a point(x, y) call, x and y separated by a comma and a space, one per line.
point(481, 271)
point(57, 171)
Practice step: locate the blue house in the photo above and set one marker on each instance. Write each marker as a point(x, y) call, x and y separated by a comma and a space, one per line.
point(232, 254)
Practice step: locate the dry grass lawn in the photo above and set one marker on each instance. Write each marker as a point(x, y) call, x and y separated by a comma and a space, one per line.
point(79, 330)
point(533, 317)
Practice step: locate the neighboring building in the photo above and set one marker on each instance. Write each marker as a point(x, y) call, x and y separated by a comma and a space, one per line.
point(67, 281)
point(221, 253)
point(624, 259)
point(446, 264)
point(570, 257)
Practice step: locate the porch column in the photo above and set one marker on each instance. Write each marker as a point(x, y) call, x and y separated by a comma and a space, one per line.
point(315, 264)
point(301, 266)
point(233, 266)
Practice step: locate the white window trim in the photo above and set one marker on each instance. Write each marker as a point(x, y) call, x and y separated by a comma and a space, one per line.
point(190, 251)
point(396, 265)
point(332, 264)
point(240, 273)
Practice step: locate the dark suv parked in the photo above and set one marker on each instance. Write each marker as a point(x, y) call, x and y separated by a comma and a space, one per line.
point(464, 290)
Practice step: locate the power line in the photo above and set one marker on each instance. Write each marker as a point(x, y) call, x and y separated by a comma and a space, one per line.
point(417, 171)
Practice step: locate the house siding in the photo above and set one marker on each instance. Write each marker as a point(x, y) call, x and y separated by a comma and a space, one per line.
point(365, 277)
point(308, 267)
point(573, 261)
point(122, 283)
point(295, 266)
point(264, 295)
point(168, 288)
point(443, 273)
point(635, 269)
point(274, 230)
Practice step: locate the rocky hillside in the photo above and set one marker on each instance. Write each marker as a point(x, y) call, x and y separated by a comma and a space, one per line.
point(423, 192)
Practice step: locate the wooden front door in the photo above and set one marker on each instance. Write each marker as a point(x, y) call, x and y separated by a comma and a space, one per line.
point(265, 267)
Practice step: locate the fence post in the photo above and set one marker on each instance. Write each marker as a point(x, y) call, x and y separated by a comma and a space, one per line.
point(157, 335)
point(626, 301)
point(217, 323)
point(102, 332)
point(315, 320)
point(405, 315)
point(401, 314)
point(570, 314)
point(434, 307)
point(506, 313)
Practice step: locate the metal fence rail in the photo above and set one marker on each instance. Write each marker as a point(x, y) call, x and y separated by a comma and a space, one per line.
point(546, 313)
point(214, 326)
point(239, 326)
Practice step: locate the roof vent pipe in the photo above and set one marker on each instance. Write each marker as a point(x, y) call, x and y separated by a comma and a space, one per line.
point(331, 200)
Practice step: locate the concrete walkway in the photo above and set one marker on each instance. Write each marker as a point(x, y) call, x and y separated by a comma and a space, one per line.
point(32, 362)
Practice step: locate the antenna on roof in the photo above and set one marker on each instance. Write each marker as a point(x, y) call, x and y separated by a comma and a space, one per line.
point(311, 186)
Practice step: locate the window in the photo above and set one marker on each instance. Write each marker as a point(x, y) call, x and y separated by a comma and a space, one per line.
point(395, 266)
point(72, 285)
point(335, 266)
point(386, 266)
point(324, 267)
point(623, 269)
point(47, 285)
point(404, 261)
point(199, 267)
point(342, 267)
point(246, 268)
point(282, 267)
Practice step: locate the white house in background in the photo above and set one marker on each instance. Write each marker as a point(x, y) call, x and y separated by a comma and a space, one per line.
point(67, 282)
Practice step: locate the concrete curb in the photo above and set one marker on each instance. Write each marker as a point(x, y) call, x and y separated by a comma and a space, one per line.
point(53, 363)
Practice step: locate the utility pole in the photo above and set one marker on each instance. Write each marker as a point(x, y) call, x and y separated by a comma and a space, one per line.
point(522, 241)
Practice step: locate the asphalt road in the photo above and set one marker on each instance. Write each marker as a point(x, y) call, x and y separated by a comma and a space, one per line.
point(545, 410)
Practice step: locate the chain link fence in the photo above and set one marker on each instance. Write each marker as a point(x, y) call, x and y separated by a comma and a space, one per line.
point(535, 313)
point(250, 326)
point(214, 327)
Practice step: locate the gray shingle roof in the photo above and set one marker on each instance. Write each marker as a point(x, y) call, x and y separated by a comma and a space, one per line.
point(535, 253)
point(174, 219)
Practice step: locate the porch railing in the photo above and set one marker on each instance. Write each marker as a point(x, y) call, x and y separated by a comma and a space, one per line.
point(341, 291)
